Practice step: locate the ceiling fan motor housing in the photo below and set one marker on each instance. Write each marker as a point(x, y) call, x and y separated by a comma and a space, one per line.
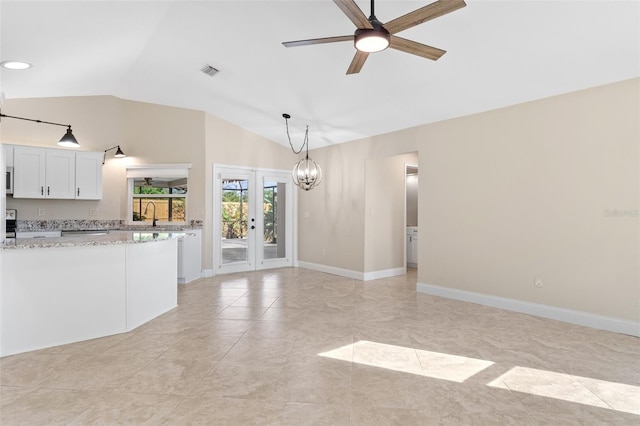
point(372, 40)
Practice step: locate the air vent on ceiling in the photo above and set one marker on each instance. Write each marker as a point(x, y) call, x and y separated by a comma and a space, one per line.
point(209, 70)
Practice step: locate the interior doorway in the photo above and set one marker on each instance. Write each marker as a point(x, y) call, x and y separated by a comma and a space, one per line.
point(411, 196)
point(253, 219)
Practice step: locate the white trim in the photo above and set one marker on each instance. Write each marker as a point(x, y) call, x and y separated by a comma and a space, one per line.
point(332, 270)
point(158, 170)
point(208, 273)
point(376, 275)
point(602, 322)
point(251, 169)
point(256, 176)
point(404, 233)
point(356, 275)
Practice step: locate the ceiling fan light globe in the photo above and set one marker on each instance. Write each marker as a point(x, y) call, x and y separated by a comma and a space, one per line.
point(371, 41)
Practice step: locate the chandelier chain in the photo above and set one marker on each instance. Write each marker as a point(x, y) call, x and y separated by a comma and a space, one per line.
point(304, 142)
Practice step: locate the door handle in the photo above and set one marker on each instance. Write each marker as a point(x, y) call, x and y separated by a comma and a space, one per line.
point(253, 227)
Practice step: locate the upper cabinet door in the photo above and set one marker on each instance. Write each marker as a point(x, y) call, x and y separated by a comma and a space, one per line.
point(60, 172)
point(89, 175)
point(28, 172)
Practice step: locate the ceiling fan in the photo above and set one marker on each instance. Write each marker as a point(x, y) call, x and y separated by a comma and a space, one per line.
point(373, 36)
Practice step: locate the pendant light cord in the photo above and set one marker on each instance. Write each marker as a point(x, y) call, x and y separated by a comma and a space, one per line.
point(304, 142)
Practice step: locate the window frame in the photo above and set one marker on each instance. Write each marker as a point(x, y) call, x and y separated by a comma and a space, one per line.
point(156, 171)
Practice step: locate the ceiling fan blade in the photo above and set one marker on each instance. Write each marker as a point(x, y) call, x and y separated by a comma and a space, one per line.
point(317, 41)
point(353, 12)
point(416, 48)
point(357, 62)
point(431, 11)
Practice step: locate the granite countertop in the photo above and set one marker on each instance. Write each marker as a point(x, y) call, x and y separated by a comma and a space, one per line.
point(122, 236)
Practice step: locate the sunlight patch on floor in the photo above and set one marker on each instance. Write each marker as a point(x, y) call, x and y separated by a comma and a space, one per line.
point(408, 360)
point(549, 384)
point(566, 387)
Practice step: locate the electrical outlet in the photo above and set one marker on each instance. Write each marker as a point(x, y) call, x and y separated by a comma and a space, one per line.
point(537, 282)
point(93, 212)
point(40, 212)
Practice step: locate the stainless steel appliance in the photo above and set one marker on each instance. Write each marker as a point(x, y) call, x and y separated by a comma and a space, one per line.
point(9, 180)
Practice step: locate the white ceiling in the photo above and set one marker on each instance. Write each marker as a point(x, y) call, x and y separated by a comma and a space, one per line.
point(499, 53)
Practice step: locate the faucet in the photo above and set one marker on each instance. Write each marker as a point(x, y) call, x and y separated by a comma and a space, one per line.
point(155, 219)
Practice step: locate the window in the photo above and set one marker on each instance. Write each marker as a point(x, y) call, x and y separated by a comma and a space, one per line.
point(158, 192)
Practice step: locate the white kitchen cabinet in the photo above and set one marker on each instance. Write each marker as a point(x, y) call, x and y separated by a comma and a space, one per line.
point(89, 175)
point(412, 246)
point(189, 257)
point(28, 172)
point(57, 174)
point(60, 174)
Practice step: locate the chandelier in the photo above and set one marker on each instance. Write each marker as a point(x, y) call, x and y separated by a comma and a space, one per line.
point(307, 174)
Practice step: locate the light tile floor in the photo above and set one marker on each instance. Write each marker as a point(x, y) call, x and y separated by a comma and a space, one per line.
point(297, 347)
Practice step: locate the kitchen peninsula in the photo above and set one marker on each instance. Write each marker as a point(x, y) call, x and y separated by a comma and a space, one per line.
point(55, 291)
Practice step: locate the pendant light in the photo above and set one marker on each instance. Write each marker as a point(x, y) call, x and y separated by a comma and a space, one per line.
point(118, 154)
point(307, 174)
point(67, 140)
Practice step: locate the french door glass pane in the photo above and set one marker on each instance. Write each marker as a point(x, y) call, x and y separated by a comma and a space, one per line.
point(274, 203)
point(235, 204)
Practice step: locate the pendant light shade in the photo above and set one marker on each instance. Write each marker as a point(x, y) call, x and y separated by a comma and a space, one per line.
point(307, 174)
point(68, 140)
point(119, 153)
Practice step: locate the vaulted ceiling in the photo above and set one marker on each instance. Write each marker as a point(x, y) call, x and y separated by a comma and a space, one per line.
point(499, 53)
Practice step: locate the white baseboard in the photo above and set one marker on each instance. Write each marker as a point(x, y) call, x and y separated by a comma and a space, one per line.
point(601, 322)
point(376, 275)
point(332, 270)
point(207, 273)
point(193, 278)
point(356, 275)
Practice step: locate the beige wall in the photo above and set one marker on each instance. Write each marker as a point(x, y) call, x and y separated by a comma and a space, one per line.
point(506, 196)
point(155, 134)
point(331, 216)
point(384, 238)
point(524, 192)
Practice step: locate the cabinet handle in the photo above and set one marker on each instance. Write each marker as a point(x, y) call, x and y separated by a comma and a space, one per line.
point(48, 190)
point(42, 190)
point(78, 192)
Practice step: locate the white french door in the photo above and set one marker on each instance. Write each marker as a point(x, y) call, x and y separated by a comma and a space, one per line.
point(253, 219)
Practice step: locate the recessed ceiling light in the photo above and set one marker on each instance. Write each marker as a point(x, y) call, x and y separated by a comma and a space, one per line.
point(15, 65)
